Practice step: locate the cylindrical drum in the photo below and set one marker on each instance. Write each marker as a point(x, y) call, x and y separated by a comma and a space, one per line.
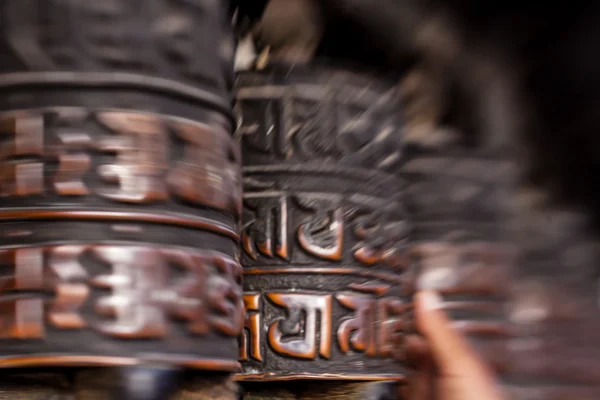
point(326, 276)
point(457, 195)
point(119, 184)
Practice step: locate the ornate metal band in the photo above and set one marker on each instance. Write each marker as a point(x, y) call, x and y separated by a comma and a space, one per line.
point(118, 239)
point(326, 276)
point(120, 185)
point(458, 199)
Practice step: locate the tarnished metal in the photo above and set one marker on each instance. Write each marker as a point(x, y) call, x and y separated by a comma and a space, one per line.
point(327, 276)
point(121, 187)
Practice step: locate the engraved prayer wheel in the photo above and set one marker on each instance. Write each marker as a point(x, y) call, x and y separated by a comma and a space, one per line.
point(458, 199)
point(554, 302)
point(120, 185)
point(327, 280)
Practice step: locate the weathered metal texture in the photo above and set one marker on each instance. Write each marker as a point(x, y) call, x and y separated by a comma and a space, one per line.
point(327, 280)
point(517, 273)
point(554, 303)
point(457, 196)
point(120, 185)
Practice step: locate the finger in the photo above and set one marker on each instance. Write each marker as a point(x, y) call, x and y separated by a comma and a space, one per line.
point(453, 355)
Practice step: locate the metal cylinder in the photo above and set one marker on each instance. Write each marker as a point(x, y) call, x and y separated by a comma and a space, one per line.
point(326, 275)
point(458, 197)
point(120, 185)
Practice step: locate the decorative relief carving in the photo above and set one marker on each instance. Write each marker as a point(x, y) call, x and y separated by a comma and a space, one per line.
point(71, 152)
point(313, 131)
point(378, 325)
point(209, 173)
point(147, 166)
point(139, 302)
point(314, 123)
point(358, 332)
point(324, 227)
point(119, 279)
point(304, 313)
point(304, 326)
point(325, 235)
point(224, 296)
point(67, 276)
point(146, 288)
point(266, 225)
point(251, 341)
point(21, 169)
point(458, 196)
point(84, 41)
point(141, 157)
point(382, 234)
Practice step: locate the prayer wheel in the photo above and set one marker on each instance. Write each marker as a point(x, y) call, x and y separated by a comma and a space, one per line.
point(121, 187)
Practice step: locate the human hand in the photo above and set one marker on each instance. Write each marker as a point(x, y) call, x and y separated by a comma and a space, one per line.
point(447, 368)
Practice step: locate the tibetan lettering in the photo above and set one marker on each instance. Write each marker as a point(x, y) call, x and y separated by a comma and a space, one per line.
point(250, 341)
point(21, 169)
point(323, 235)
point(304, 313)
point(141, 148)
point(70, 151)
point(209, 172)
point(377, 326)
point(266, 233)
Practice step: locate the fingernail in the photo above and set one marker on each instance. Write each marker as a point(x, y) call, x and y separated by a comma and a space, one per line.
point(430, 300)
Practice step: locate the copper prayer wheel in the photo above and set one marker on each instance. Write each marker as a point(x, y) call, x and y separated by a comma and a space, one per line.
point(327, 280)
point(458, 198)
point(120, 185)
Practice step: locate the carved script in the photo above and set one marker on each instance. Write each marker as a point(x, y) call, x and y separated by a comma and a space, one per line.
point(376, 328)
point(142, 159)
point(303, 312)
point(143, 293)
point(323, 235)
point(22, 146)
point(156, 157)
point(267, 231)
point(250, 342)
point(209, 173)
point(349, 126)
point(383, 235)
point(23, 317)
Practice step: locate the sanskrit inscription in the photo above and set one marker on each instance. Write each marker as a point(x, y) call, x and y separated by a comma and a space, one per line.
point(324, 235)
point(282, 227)
point(354, 127)
point(377, 326)
point(266, 228)
point(121, 156)
point(250, 342)
point(366, 321)
point(303, 310)
point(144, 289)
point(21, 152)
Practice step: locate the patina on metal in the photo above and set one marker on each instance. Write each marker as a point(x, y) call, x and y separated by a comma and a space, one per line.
point(327, 276)
point(458, 196)
point(120, 185)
